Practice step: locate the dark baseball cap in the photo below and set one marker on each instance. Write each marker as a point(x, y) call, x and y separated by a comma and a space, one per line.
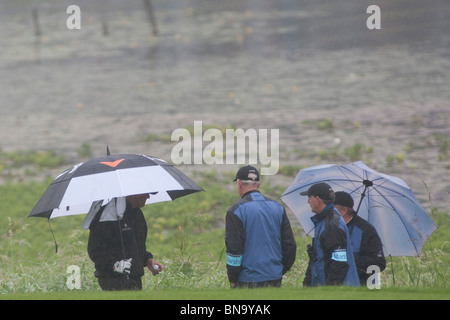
point(321, 190)
point(247, 173)
point(343, 199)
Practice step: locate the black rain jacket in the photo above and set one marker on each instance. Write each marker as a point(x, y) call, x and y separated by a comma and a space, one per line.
point(367, 247)
point(108, 244)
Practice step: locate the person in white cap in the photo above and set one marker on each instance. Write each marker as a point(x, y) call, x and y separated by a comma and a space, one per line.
point(259, 240)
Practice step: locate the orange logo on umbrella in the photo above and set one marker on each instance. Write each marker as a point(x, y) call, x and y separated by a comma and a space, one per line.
point(113, 164)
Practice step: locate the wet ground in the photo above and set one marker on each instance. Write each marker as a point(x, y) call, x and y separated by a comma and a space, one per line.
point(242, 64)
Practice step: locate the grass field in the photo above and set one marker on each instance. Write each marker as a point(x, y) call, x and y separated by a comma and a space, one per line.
point(187, 236)
point(324, 293)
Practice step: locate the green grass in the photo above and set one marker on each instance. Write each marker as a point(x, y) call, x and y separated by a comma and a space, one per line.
point(187, 236)
point(323, 293)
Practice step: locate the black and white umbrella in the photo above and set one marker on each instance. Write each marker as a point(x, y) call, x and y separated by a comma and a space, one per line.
point(109, 177)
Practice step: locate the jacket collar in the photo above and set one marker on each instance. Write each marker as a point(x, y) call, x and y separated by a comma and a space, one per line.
point(320, 216)
point(248, 192)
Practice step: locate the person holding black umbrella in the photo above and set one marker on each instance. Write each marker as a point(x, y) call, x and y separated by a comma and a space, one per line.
point(366, 244)
point(118, 248)
point(331, 256)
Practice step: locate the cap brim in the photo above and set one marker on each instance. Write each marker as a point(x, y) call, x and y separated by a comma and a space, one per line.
point(304, 193)
point(235, 179)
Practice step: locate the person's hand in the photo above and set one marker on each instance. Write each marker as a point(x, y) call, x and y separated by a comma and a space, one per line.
point(123, 266)
point(154, 266)
point(233, 284)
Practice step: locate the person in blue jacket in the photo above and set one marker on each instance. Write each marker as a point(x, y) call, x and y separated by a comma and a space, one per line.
point(331, 256)
point(366, 243)
point(260, 244)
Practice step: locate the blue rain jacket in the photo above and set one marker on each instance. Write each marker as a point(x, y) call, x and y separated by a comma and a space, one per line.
point(259, 240)
point(332, 262)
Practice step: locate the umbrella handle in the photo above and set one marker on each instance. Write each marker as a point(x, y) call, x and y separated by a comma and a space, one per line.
point(366, 183)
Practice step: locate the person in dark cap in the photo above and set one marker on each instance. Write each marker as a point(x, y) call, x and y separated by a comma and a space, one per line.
point(331, 259)
point(366, 244)
point(260, 244)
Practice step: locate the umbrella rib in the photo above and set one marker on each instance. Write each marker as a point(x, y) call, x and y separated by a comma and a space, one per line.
point(392, 207)
point(346, 179)
point(352, 172)
point(309, 184)
point(370, 199)
point(356, 186)
point(398, 194)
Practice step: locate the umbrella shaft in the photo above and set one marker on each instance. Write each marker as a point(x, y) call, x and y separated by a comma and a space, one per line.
point(367, 183)
point(121, 238)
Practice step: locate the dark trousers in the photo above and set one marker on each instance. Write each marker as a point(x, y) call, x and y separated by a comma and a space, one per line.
point(120, 283)
point(262, 284)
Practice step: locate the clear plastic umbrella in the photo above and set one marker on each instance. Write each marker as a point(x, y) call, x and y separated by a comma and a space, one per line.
point(385, 201)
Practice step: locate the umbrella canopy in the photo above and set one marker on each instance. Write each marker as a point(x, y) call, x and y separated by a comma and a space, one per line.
point(102, 179)
point(385, 201)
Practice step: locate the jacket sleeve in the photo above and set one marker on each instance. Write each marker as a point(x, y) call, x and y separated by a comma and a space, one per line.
point(234, 242)
point(371, 252)
point(99, 247)
point(333, 238)
point(307, 280)
point(288, 244)
point(144, 230)
point(147, 256)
